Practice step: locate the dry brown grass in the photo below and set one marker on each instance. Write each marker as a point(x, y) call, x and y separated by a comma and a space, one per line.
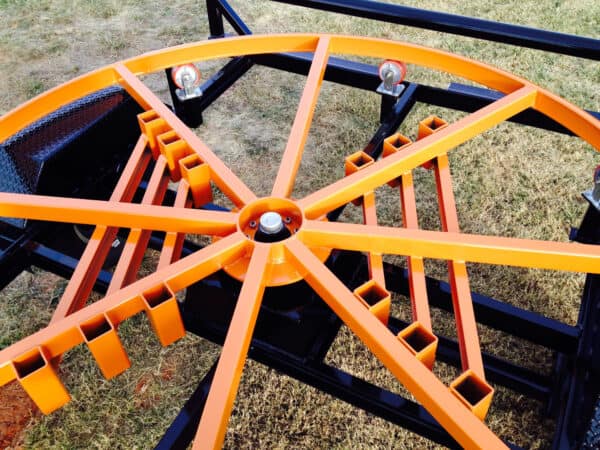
point(511, 181)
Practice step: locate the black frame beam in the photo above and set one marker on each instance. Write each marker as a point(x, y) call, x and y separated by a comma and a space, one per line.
point(340, 384)
point(567, 44)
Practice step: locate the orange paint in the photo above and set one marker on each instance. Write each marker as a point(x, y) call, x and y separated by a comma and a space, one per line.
point(408, 355)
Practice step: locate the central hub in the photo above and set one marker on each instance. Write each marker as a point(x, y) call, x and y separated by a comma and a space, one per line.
point(270, 220)
point(271, 228)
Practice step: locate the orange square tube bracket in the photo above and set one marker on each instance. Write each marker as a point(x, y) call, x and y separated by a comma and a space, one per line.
point(473, 392)
point(173, 148)
point(392, 144)
point(420, 341)
point(197, 173)
point(427, 127)
point(376, 298)
point(37, 376)
point(354, 163)
point(151, 125)
point(163, 312)
point(101, 338)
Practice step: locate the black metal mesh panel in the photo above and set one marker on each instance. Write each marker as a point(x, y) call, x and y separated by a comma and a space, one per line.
point(24, 156)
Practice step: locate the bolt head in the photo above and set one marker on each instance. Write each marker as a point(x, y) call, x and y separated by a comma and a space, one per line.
point(271, 223)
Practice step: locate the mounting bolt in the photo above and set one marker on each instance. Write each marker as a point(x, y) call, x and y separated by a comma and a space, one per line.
point(271, 228)
point(271, 223)
point(392, 74)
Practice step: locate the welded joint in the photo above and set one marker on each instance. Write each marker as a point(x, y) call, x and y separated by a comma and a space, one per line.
point(393, 144)
point(420, 341)
point(100, 335)
point(473, 392)
point(152, 125)
point(163, 311)
point(173, 148)
point(197, 173)
point(376, 298)
point(37, 376)
point(427, 127)
point(355, 162)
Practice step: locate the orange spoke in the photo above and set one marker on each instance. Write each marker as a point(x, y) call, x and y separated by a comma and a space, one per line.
point(63, 334)
point(213, 423)
point(466, 326)
point(385, 170)
point(453, 246)
point(290, 162)
point(116, 214)
point(90, 263)
point(137, 241)
point(173, 242)
point(416, 268)
point(375, 260)
point(465, 427)
point(223, 177)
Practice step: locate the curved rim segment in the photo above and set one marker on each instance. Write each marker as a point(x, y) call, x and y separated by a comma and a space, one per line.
point(568, 115)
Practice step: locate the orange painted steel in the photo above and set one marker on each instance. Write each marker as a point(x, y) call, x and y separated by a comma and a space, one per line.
point(290, 162)
point(383, 171)
point(90, 263)
point(281, 272)
point(173, 243)
point(575, 119)
point(161, 307)
point(466, 326)
point(116, 214)
point(213, 423)
point(196, 174)
point(372, 293)
point(375, 260)
point(38, 378)
point(133, 252)
point(416, 269)
point(417, 337)
point(459, 407)
point(571, 257)
point(222, 176)
point(467, 429)
point(100, 335)
point(64, 334)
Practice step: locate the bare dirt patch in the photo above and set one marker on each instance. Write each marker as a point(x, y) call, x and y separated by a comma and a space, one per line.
point(16, 411)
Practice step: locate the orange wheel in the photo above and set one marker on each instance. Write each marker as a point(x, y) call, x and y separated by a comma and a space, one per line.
point(278, 240)
point(186, 72)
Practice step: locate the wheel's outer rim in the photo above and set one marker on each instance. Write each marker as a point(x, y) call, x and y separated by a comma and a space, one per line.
point(521, 94)
point(568, 115)
point(281, 271)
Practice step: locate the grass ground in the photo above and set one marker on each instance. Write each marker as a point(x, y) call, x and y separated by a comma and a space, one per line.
point(510, 181)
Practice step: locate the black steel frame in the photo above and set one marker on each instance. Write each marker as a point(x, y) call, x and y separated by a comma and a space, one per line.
point(282, 339)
